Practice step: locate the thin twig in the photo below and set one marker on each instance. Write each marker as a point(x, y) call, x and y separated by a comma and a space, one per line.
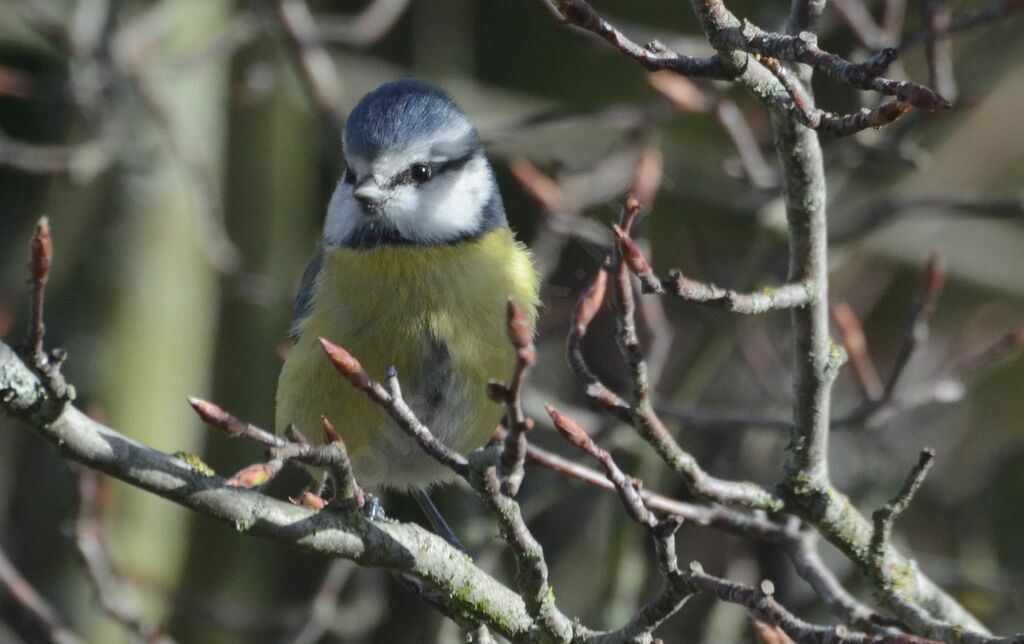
point(856, 345)
point(90, 542)
point(886, 516)
point(33, 605)
point(838, 125)
point(364, 29)
point(922, 308)
point(967, 20)
point(513, 454)
point(1008, 344)
point(937, 18)
point(803, 48)
point(40, 262)
point(313, 62)
point(705, 294)
point(856, 15)
point(590, 303)
point(390, 399)
point(653, 56)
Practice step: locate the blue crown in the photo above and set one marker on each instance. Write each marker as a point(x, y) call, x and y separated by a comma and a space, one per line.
point(398, 114)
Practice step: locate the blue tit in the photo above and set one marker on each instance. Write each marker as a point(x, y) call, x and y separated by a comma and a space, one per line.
point(414, 270)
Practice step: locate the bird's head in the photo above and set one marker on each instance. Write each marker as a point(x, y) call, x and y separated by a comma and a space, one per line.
point(415, 172)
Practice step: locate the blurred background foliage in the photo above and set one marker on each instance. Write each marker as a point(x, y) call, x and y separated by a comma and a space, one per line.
point(186, 194)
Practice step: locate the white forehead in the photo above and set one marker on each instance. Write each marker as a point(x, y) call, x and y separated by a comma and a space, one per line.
point(453, 140)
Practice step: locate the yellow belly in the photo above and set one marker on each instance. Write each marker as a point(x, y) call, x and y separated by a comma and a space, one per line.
point(438, 315)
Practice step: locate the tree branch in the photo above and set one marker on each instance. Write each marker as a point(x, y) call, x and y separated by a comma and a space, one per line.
point(404, 548)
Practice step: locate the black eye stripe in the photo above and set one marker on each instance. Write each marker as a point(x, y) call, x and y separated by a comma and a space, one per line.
point(454, 164)
point(405, 177)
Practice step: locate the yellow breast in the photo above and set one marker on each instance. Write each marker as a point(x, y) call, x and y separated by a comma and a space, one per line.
point(437, 313)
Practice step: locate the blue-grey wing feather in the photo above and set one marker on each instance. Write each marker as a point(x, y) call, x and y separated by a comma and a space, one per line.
point(304, 298)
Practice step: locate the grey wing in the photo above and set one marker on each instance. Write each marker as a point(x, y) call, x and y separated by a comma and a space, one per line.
point(303, 299)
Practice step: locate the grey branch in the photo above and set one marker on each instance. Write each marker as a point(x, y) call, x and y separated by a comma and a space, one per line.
point(398, 547)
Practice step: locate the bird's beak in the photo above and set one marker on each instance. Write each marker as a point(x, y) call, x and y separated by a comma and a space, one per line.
point(368, 193)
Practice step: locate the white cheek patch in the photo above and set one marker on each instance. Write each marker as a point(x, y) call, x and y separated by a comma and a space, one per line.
point(447, 207)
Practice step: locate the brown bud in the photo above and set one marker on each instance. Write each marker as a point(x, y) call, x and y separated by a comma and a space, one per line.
point(889, 112)
point(647, 178)
point(519, 331)
point(41, 251)
point(631, 254)
point(570, 429)
point(346, 365)
point(215, 416)
point(255, 475)
point(309, 500)
point(590, 300)
point(330, 434)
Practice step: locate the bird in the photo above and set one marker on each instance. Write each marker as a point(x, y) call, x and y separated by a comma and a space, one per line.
point(413, 272)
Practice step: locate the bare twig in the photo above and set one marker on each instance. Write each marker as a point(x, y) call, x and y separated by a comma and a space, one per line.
point(90, 542)
point(803, 48)
point(856, 345)
point(41, 254)
point(520, 333)
point(332, 454)
point(365, 28)
point(933, 280)
point(481, 471)
point(589, 304)
point(674, 592)
point(312, 60)
point(761, 602)
point(886, 516)
point(705, 294)
point(923, 307)
point(879, 213)
point(654, 56)
point(390, 399)
point(856, 15)
point(937, 18)
point(341, 466)
point(966, 20)
point(33, 605)
point(687, 96)
point(531, 567)
point(1008, 344)
point(218, 418)
point(817, 119)
point(640, 413)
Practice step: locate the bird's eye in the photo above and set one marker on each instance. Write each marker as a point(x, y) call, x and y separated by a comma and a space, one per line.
point(350, 177)
point(420, 172)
